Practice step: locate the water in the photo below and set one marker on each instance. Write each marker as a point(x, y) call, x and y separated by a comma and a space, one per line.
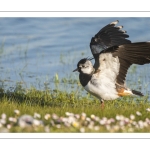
point(33, 50)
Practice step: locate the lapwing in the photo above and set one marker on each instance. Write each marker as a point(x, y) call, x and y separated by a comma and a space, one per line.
point(113, 54)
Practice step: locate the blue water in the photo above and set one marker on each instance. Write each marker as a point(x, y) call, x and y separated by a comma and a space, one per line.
point(33, 50)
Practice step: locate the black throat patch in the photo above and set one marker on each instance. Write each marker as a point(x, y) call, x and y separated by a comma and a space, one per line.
point(84, 78)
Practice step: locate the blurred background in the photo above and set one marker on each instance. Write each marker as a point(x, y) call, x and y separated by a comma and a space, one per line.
point(37, 52)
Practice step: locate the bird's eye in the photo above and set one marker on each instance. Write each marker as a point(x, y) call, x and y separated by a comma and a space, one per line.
point(83, 66)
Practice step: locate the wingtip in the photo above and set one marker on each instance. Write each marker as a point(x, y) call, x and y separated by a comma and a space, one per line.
point(119, 27)
point(124, 31)
point(114, 22)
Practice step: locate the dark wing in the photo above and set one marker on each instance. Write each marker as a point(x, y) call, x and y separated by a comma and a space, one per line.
point(128, 54)
point(108, 36)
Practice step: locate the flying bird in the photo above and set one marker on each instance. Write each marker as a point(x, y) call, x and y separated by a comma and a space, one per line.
point(113, 54)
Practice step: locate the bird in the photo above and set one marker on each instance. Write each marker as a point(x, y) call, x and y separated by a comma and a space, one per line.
point(113, 53)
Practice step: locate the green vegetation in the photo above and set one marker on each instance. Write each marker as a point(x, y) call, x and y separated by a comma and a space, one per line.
point(64, 106)
point(59, 111)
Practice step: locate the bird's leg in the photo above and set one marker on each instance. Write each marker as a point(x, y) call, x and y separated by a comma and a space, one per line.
point(102, 103)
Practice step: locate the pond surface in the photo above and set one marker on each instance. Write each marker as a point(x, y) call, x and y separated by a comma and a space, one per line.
point(34, 50)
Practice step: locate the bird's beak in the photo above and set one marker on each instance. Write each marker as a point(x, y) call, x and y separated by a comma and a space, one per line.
point(75, 70)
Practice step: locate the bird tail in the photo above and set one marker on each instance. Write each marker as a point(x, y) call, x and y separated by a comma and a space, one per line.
point(137, 93)
point(123, 91)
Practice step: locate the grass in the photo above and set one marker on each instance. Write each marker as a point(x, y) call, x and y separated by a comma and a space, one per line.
point(60, 105)
point(68, 108)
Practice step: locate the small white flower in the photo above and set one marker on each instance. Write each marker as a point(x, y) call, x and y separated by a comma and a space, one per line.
point(54, 116)
point(117, 117)
point(88, 119)
point(36, 115)
point(82, 130)
point(92, 123)
point(138, 113)
point(47, 116)
point(71, 119)
point(122, 117)
point(122, 123)
point(148, 109)
point(17, 112)
point(134, 123)
point(58, 126)
point(2, 121)
point(83, 116)
point(67, 113)
point(102, 122)
point(108, 121)
point(11, 119)
point(64, 119)
point(132, 117)
point(37, 122)
point(93, 117)
point(147, 120)
point(9, 126)
point(97, 118)
point(104, 118)
point(112, 120)
point(3, 116)
point(141, 124)
point(126, 120)
point(77, 116)
point(90, 126)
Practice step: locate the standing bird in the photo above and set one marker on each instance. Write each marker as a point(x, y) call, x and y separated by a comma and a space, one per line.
point(113, 55)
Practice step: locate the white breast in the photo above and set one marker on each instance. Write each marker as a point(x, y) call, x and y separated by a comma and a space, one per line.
point(102, 84)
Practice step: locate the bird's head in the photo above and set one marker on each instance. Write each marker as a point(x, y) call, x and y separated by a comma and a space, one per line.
point(85, 66)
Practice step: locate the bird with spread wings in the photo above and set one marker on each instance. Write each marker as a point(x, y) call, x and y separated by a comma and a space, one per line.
point(113, 54)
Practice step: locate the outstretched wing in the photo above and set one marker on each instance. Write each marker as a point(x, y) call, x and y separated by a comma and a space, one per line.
point(126, 55)
point(108, 36)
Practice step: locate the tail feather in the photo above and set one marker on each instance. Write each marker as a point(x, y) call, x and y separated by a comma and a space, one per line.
point(137, 93)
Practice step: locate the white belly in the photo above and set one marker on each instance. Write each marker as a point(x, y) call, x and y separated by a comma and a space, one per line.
point(102, 89)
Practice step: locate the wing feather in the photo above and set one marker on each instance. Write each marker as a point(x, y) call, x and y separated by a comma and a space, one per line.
point(112, 39)
point(108, 36)
point(128, 54)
